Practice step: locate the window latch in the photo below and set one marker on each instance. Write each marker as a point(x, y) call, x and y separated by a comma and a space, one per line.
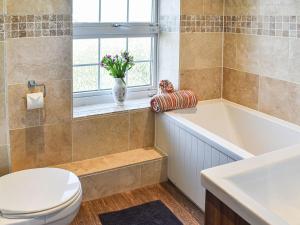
point(116, 25)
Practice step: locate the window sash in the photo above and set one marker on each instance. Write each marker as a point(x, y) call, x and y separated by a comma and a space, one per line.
point(122, 30)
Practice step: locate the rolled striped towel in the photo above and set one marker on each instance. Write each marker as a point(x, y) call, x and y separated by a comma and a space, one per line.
point(172, 101)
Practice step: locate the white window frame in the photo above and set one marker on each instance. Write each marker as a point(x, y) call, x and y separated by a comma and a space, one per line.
point(120, 30)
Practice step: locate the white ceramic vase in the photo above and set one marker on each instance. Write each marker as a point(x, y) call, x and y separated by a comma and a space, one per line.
point(119, 91)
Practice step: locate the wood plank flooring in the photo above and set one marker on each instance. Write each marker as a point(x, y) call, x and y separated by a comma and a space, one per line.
point(183, 208)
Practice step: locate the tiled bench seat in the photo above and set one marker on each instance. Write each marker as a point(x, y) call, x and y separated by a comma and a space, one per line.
point(120, 172)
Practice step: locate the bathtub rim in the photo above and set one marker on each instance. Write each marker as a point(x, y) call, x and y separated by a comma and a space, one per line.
point(233, 151)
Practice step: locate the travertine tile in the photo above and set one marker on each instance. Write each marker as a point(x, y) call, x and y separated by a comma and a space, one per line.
point(100, 136)
point(154, 172)
point(200, 51)
point(248, 53)
point(241, 87)
point(245, 7)
point(17, 7)
point(2, 74)
point(3, 121)
point(280, 99)
point(19, 116)
point(111, 182)
point(111, 162)
point(141, 129)
point(40, 59)
point(205, 83)
point(213, 7)
point(4, 160)
point(58, 102)
point(294, 61)
point(273, 57)
point(229, 57)
point(192, 7)
point(40, 146)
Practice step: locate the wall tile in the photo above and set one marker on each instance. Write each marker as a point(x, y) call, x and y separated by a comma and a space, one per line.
point(3, 121)
point(273, 59)
point(280, 99)
point(248, 53)
point(154, 172)
point(58, 102)
point(41, 146)
point(141, 129)
point(4, 160)
point(294, 61)
point(241, 87)
point(19, 117)
point(279, 7)
point(28, 7)
point(200, 51)
point(111, 182)
point(205, 83)
point(213, 7)
point(40, 59)
point(100, 136)
point(230, 47)
point(245, 7)
point(192, 7)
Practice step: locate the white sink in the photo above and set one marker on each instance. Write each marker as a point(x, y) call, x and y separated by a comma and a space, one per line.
point(263, 190)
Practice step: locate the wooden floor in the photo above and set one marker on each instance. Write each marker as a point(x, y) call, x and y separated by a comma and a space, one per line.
point(183, 208)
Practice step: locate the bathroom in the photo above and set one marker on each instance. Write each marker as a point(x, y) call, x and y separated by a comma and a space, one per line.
point(73, 152)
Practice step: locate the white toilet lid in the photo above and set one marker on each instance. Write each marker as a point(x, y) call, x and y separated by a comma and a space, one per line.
point(36, 190)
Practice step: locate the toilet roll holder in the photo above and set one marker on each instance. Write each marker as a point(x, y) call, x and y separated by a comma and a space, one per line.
point(34, 84)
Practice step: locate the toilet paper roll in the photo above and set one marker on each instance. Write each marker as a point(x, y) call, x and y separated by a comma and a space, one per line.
point(35, 101)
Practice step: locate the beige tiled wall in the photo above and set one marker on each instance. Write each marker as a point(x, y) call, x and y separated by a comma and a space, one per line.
point(4, 145)
point(51, 136)
point(201, 50)
point(262, 70)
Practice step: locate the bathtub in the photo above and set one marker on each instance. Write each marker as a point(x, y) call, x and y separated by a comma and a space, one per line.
point(215, 133)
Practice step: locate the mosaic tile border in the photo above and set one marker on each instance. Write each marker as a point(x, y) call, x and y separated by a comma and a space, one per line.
point(201, 23)
point(279, 26)
point(13, 26)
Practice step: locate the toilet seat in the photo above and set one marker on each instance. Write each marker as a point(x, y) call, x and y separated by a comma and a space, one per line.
point(52, 190)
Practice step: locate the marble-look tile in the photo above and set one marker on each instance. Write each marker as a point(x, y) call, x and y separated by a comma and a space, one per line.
point(58, 102)
point(248, 53)
point(279, 7)
point(169, 8)
point(205, 83)
point(213, 7)
point(229, 52)
point(154, 172)
point(40, 59)
point(141, 129)
point(200, 51)
point(294, 61)
point(29, 7)
point(245, 7)
point(241, 87)
point(40, 146)
point(110, 162)
point(100, 136)
point(192, 7)
point(19, 116)
point(280, 99)
point(111, 182)
point(3, 121)
point(273, 57)
point(4, 160)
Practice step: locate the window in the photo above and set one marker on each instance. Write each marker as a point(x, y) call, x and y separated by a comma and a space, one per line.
point(108, 27)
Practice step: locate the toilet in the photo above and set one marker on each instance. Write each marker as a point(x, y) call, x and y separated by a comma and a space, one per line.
point(39, 196)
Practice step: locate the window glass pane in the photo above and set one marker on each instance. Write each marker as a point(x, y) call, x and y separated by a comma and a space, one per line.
point(85, 78)
point(140, 48)
point(139, 75)
point(85, 11)
point(106, 81)
point(113, 11)
point(140, 10)
point(112, 46)
point(85, 51)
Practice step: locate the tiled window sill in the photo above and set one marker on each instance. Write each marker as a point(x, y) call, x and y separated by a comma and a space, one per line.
point(108, 108)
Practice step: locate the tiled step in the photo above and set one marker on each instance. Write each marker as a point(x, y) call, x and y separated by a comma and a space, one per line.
point(120, 172)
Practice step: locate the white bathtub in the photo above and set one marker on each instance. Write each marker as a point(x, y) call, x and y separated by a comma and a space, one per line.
point(215, 133)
